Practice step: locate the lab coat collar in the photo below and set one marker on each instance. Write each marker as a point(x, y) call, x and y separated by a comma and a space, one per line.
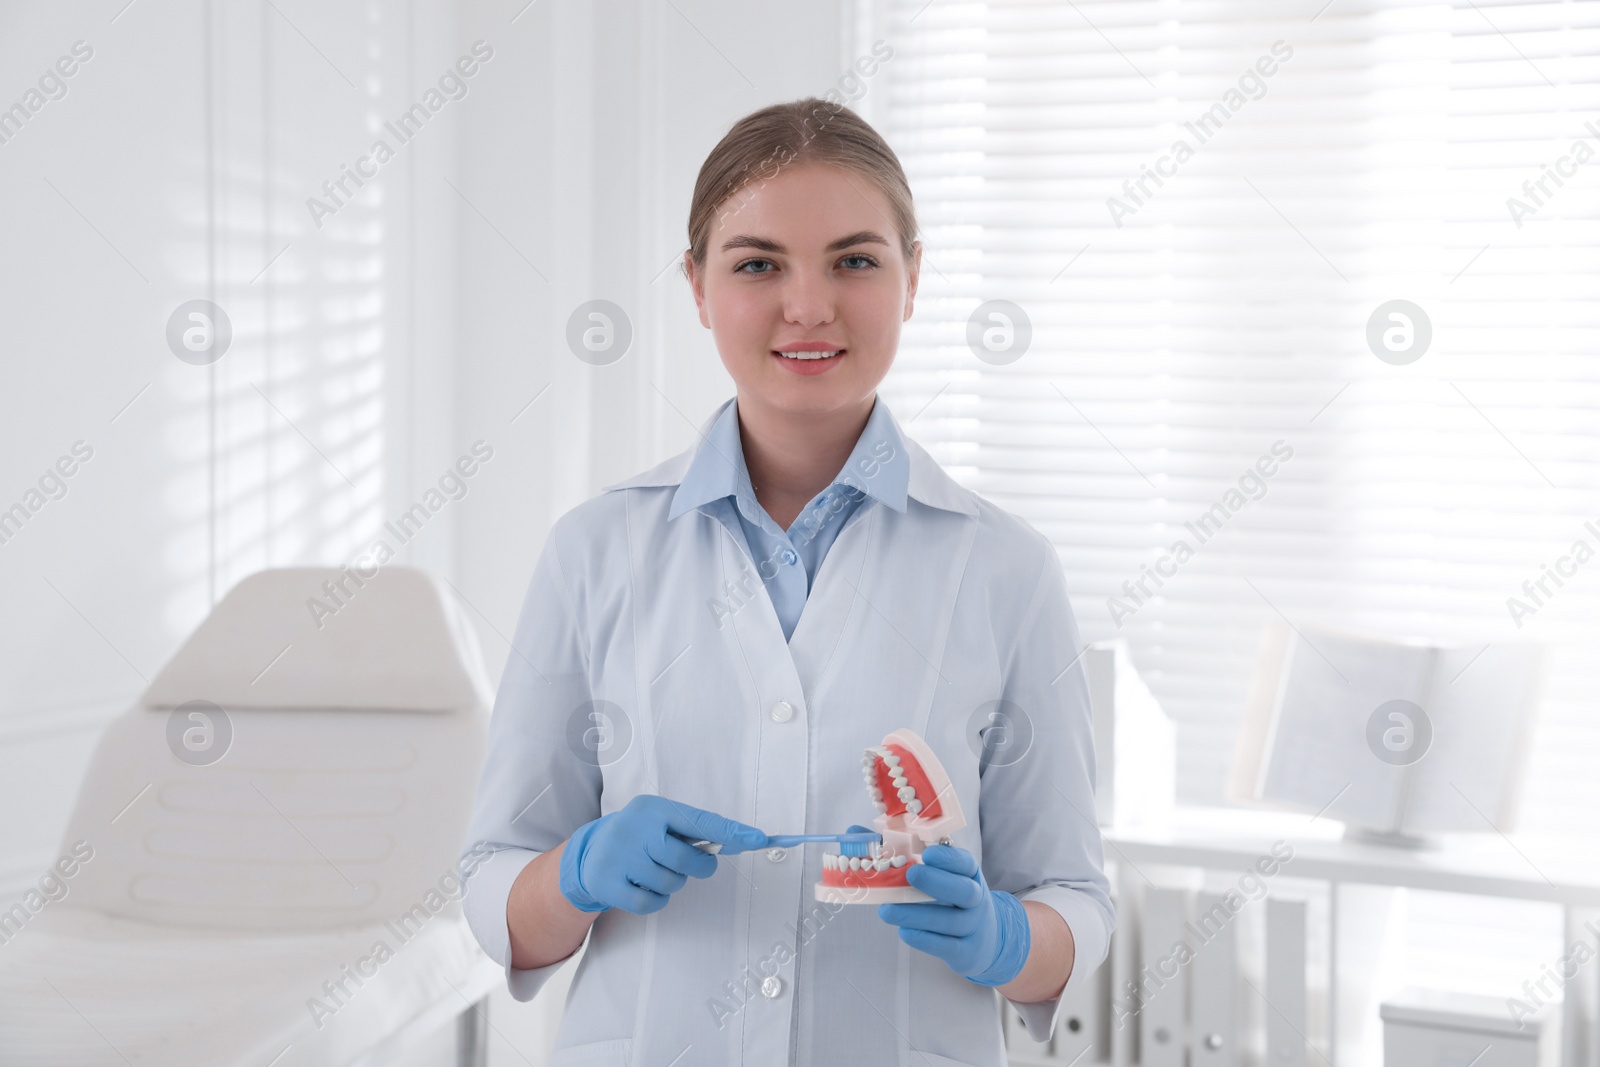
point(926, 481)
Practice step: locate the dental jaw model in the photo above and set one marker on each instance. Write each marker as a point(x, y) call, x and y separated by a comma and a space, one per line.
point(917, 807)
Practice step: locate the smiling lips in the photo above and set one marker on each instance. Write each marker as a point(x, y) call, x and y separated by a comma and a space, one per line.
point(808, 357)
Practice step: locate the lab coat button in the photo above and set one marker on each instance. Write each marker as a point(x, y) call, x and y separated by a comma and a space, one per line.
point(771, 986)
point(782, 711)
point(776, 855)
point(789, 556)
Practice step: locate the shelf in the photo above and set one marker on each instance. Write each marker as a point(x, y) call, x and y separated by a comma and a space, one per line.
point(1487, 864)
point(1361, 880)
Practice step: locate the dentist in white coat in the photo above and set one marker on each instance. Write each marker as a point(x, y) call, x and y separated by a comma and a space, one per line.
point(706, 649)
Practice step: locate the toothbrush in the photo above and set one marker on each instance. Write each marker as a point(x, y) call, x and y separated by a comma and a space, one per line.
point(855, 844)
point(845, 841)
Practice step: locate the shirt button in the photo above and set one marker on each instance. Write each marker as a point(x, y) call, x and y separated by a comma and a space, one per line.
point(789, 556)
point(771, 986)
point(776, 855)
point(782, 711)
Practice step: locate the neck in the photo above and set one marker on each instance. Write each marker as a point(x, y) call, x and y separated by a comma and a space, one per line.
point(793, 456)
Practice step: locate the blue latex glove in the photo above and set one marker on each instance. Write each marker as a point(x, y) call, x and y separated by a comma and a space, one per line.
point(981, 933)
point(637, 857)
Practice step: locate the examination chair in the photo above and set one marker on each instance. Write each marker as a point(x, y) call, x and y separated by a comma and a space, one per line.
point(247, 864)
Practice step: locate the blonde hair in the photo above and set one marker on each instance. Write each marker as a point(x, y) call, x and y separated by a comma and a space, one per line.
point(812, 130)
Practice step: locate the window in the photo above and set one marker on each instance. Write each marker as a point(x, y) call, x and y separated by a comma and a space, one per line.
point(1192, 308)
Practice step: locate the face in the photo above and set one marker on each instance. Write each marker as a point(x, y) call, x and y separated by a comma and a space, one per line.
point(809, 256)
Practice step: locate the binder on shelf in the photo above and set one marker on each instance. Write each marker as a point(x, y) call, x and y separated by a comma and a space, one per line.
point(1082, 1037)
point(1082, 1033)
point(1134, 748)
point(1022, 1050)
point(1213, 997)
point(1285, 1014)
point(1164, 952)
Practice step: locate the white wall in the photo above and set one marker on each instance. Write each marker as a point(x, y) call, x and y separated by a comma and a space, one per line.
point(177, 166)
point(584, 158)
point(422, 316)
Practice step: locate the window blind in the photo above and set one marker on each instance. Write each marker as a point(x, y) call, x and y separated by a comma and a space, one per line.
point(1193, 308)
point(1180, 338)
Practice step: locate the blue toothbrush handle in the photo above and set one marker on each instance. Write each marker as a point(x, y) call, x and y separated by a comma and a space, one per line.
point(791, 840)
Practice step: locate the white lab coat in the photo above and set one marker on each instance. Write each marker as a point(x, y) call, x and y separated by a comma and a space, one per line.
point(629, 675)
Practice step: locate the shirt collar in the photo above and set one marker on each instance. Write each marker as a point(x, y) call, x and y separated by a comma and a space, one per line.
point(927, 482)
point(879, 464)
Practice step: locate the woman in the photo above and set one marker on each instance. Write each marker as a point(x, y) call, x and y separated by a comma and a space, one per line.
point(706, 649)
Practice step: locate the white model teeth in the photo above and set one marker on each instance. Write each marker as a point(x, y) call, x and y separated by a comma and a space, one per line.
point(810, 355)
point(867, 864)
point(871, 756)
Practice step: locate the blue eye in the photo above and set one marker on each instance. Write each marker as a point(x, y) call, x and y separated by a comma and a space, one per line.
point(867, 260)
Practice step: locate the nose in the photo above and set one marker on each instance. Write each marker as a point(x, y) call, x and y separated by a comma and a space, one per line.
point(808, 298)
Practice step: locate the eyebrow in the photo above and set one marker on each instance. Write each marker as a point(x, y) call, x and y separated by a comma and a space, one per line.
point(763, 244)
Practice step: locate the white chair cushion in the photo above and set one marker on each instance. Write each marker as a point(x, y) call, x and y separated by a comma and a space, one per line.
point(313, 818)
point(82, 989)
point(221, 894)
point(280, 639)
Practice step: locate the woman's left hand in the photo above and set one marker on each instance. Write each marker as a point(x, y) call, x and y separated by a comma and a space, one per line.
point(981, 933)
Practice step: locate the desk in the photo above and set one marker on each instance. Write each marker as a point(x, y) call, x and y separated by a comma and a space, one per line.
point(1360, 880)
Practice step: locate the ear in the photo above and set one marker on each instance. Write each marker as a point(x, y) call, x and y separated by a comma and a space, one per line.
point(911, 281)
point(697, 283)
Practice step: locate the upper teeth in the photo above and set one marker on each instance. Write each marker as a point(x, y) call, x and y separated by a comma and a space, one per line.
point(811, 355)
point(871, 756)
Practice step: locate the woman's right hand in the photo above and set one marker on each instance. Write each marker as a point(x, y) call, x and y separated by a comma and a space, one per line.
point(637, 857)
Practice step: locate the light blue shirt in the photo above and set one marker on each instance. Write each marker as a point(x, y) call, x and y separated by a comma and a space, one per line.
point(718, 483)
point(649, 658)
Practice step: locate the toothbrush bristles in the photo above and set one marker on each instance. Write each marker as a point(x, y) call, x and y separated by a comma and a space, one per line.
point(855, 848)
